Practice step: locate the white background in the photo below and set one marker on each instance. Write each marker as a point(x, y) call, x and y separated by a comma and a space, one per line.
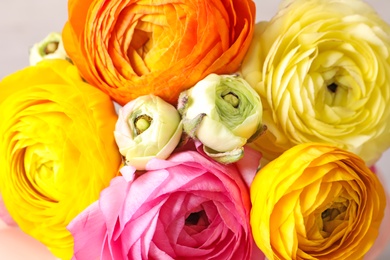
point(25, 22)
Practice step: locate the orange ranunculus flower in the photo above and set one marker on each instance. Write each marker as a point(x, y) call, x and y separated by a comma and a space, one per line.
point(57, 149)
point(316, 201)
point(131, 48)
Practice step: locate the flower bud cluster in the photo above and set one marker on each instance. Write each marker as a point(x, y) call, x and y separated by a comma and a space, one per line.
point(221, 111)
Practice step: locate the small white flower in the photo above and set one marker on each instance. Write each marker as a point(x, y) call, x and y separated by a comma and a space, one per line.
point(147, 127)
point(223, 112)
point(51, 47)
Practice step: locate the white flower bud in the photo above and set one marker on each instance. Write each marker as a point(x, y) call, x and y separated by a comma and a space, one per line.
point(223, 112)
point(51, 47)
point(147, 127)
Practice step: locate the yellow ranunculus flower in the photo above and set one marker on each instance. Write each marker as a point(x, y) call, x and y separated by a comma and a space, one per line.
point(322, 69)
point(316, 201)
point(57, 149)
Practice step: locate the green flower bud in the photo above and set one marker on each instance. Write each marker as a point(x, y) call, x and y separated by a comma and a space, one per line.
point(51, 47)
point(223, 112)
point(147, 127)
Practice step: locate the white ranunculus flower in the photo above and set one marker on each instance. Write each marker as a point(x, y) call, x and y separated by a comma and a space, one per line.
point(147, 128)
point(223, 112)
point(322, 69)
point(51, 47)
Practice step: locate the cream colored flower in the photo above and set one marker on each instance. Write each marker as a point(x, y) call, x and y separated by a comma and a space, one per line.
point(51, 47)
point(147, 127)
point(223, 112)
point(322, 69)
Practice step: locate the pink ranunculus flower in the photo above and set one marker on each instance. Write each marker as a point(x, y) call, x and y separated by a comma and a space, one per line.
point(187, 206)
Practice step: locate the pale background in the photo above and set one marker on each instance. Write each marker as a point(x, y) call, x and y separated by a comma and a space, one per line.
point(25, 22)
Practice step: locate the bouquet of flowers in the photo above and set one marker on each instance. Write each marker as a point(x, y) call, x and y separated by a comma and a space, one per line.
point(189, 130)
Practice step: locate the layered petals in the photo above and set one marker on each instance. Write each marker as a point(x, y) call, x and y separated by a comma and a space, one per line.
point(224, 113)
point(322, 69)
point(133, 48)
point(316, 201)
point(147, 128)
point(185, 207)
point(58, 149)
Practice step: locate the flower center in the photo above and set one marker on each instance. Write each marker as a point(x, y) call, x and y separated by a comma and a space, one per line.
point(332, 87)
point(334, 216)
point(41, 169)
point(197, 218)
point(142, 123)
point(232, 99)
point(51, 47)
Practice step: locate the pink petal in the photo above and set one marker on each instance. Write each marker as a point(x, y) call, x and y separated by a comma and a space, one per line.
point(128, 172)
point(249, 164)
point(257, 254)
point(139, 228)
point(111, 202)
point(139, 191)
point(138, 236)
point(157, 253)
point(180, 204)
point(89, 232)
point(161, 241)
point(231, 221)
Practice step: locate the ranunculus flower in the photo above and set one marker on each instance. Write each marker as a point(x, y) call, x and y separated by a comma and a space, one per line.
point(223, 112)
point(316, 201)
point(133, 48)
point(4, 214)
point(147, 127)
point(185, 207)
point(322, 69)
point(57, 149)
point(51, 47)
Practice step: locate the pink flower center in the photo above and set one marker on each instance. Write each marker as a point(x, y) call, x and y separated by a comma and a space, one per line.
point(197, 218)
